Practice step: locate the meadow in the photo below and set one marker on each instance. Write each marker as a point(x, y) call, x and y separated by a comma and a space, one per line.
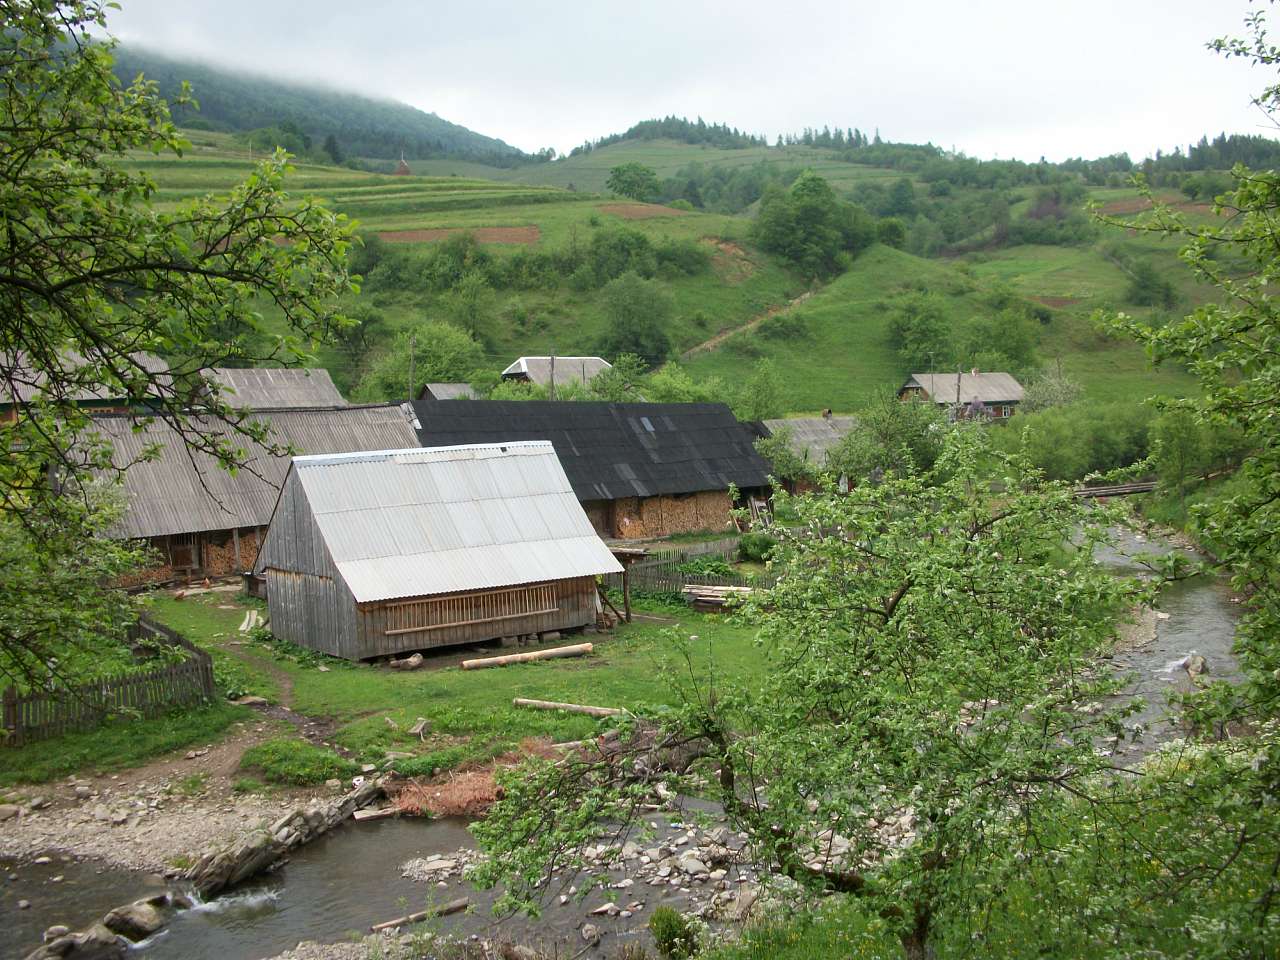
point(832, 351)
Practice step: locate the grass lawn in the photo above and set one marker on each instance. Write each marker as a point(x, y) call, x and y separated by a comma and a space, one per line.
point(115, 745)
point(470, 712)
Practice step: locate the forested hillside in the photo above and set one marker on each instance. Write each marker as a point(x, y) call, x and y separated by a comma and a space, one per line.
point(359, 126)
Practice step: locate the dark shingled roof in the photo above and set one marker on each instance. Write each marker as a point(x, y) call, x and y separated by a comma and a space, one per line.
point(612, 450)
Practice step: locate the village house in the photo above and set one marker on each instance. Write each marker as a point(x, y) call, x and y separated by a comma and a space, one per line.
point(556, 371)
point(202, 520)
point(811, 439)
point(380, 553)
point(22, 382)
point(640, 470)
point(447, 391)
point(274, 388)
point(993, 395)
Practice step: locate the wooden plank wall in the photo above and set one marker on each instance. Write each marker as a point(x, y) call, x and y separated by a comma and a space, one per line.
point(475, 616)
point(147, 693)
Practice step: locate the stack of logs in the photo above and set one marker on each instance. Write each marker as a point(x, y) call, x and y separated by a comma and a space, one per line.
point(707, 599)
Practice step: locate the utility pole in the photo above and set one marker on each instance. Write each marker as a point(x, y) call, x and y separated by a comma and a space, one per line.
point(413, 341)
point(551, 393)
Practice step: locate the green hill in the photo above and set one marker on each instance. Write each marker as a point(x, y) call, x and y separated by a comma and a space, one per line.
point(833, 350)
point(362, 126)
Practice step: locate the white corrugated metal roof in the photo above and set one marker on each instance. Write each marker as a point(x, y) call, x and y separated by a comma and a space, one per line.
point(417, 522)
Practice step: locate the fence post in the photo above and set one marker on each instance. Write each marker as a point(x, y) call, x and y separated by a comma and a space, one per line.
point(11, 715)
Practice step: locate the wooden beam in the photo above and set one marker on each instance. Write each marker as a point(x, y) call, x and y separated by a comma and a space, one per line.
point(453, 906)
point(468, 623)
point(567, 707)
point(575, 650)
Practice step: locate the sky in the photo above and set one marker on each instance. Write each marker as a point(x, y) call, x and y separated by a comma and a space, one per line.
point(990, 78)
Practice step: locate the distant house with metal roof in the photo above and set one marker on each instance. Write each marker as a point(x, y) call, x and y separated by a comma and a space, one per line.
point(447, 391)
point(204, 521)
point(378, 553)
point(274, 388)
point(23, 380)
point(560, 370)
point(995, 395)
point(812, 437)
point(639, 469)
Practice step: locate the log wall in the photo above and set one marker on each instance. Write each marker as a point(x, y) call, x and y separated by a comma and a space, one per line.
point(644, 517)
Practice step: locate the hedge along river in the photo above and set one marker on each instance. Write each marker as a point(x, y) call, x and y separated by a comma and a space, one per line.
point(350, 878)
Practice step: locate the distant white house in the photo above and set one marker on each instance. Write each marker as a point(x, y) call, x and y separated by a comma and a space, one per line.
point(560, 370)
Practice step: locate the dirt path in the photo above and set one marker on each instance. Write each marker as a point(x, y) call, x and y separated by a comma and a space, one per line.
point(708, 345)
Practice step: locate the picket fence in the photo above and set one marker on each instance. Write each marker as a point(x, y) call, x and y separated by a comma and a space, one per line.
point(39, 715)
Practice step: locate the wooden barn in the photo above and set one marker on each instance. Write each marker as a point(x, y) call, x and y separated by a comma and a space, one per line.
point(555, 371)
point(640, 470)
point(201, 520)
point(374, 554)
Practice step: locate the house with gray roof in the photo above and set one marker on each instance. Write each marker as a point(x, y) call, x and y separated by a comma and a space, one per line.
point(24, 379)
point(375, 554)
point(558, 370)
point(993, 395)
point(274, 388)
point(202, 520)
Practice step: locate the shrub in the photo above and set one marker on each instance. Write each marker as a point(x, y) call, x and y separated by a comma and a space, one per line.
point(296, 762)
point(673, 934)
point(756, 547)
point(707, 565)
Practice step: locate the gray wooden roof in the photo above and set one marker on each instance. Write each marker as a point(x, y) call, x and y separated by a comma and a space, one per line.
point(181, 493)
point(982, 387)
point(812, 437)
point(415, 522)
point(538, 369)
point(447, 391)
point(276, 387)
point(21, 380)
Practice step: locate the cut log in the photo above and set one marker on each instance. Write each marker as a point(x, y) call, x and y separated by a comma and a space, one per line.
point(442, 910)
point(574, 650)
point(567, 707)
point(368, 814)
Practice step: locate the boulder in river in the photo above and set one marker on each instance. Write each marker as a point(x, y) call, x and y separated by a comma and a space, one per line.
point(137, 921)
point(96, 943)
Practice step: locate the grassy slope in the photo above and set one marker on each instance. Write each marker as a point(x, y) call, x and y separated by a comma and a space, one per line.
point(847, 356)
point(588, 172)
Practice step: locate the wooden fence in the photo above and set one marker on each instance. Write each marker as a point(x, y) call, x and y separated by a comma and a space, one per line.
point(663, 575)
point(147, 693)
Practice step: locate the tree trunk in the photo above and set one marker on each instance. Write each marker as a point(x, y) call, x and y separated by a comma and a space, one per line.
point(915, 942)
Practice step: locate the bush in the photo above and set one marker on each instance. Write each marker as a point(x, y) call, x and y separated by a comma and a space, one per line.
point(707, 565)
point(673, 934)
point(297, 763)
point(756, 547)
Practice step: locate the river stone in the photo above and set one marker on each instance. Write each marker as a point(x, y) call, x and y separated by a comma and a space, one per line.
point(137, 921)
point(8, 811)
point(590, 932)
point(56, 931)
point(96, 943)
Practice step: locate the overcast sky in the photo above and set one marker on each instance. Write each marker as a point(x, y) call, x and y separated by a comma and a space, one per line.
point(1006, 78)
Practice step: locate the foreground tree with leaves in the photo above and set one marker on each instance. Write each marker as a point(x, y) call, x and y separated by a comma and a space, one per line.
point(930, 708)
point(94, 279)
